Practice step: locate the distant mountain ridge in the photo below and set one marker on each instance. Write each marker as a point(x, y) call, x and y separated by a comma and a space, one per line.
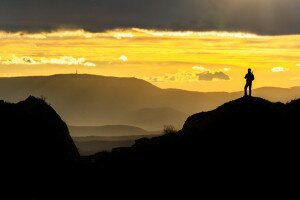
point(108, 131)
point(91, 100)
point(93, 139)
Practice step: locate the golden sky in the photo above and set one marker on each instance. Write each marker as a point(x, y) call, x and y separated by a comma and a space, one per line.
point(201, 61)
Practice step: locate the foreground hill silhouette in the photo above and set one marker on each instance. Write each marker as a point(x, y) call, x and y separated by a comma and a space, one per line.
point(35, 129)
point(36, 147)
point(246, 141)
point(243, 138)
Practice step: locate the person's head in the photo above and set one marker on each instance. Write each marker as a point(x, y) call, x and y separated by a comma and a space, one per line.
point(249, 70)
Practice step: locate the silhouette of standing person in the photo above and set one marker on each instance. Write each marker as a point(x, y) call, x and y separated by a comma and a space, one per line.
point(249, 78)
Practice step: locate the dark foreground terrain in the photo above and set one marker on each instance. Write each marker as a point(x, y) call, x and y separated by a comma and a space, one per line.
point(249, 144)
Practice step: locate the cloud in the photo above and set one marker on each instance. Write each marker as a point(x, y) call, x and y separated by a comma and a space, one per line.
point(68, 33)
point(89, 64)
point(120, 35)
point(210, 76)
point(15, 60)
point(182, 76)
point(64, 60)
point(200, 68)
point(123, 58)
point(195, 34)
point(279, 69)
point(189, 76)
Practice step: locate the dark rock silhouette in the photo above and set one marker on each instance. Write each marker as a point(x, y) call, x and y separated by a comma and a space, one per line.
point(36, 147)
point(35, 129)
point(247, 141)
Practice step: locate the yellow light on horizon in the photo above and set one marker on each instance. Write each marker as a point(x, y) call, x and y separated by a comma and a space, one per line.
point(168, 59)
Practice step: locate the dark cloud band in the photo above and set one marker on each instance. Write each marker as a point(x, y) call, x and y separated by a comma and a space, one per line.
point(260, 16)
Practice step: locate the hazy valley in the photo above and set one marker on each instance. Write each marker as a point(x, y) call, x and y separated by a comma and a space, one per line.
point(90, 100)
point(108, 112)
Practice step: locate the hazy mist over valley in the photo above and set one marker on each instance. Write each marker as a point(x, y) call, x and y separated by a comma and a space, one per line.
point(99, 101)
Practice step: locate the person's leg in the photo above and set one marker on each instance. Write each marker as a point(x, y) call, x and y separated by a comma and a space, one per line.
point(245, 89)
point(250, 89)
